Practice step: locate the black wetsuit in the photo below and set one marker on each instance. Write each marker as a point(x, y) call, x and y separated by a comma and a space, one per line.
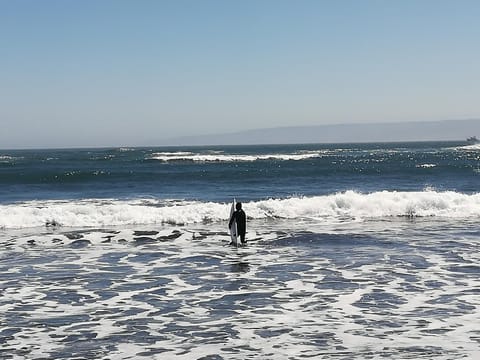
point(241, 220)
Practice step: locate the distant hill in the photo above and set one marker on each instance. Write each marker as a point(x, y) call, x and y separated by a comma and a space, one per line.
point(346, 133)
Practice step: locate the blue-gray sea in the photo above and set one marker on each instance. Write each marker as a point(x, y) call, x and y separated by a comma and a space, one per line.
point(355, 251)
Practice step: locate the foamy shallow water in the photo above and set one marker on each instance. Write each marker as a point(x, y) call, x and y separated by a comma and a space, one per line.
point(383, 289)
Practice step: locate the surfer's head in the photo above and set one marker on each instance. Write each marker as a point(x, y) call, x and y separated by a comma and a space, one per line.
point(238, 206)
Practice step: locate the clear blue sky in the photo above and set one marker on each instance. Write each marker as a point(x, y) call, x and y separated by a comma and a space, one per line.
point(112, 72)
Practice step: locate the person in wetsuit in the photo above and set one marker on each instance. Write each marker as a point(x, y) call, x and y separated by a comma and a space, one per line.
point(241, 220)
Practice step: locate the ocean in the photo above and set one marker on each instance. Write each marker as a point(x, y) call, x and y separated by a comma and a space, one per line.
point(355, 251)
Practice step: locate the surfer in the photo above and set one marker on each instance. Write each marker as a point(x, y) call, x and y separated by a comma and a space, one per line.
point(241, 220)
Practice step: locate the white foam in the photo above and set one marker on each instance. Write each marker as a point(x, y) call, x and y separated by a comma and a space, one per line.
point(426, 166)
point(220, 157)
point(186, 301)
point(373, 205)
point(474, 147)
point(8, 159)
point(346, 205)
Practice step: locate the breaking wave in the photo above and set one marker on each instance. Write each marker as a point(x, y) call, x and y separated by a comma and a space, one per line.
point(8, 159)
point(345, 205)
point(220, 157)
point(473, 147)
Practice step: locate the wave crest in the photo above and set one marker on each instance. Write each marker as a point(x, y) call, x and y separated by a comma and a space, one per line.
point(219, 157)
point(345, 205)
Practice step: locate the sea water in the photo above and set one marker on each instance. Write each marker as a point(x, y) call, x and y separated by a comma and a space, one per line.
point(355, 251)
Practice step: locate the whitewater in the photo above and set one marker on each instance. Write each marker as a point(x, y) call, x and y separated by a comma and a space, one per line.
point(354, 251)
point(348, 204)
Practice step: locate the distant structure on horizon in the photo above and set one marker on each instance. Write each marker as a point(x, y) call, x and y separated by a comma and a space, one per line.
point(446, 130)
point(473, 140)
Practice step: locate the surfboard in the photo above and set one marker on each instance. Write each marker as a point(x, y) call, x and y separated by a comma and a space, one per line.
point(233, 228)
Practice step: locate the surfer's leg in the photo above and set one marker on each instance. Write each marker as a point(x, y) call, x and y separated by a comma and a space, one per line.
point(242, 239)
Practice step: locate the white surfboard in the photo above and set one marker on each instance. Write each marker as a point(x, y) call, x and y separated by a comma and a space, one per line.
point(233, 228)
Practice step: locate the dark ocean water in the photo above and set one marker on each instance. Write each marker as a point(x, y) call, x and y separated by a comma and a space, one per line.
point(252, 172)
point(365, 251)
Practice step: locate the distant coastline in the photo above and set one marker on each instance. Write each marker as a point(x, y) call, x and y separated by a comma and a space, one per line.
point(446, 130)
